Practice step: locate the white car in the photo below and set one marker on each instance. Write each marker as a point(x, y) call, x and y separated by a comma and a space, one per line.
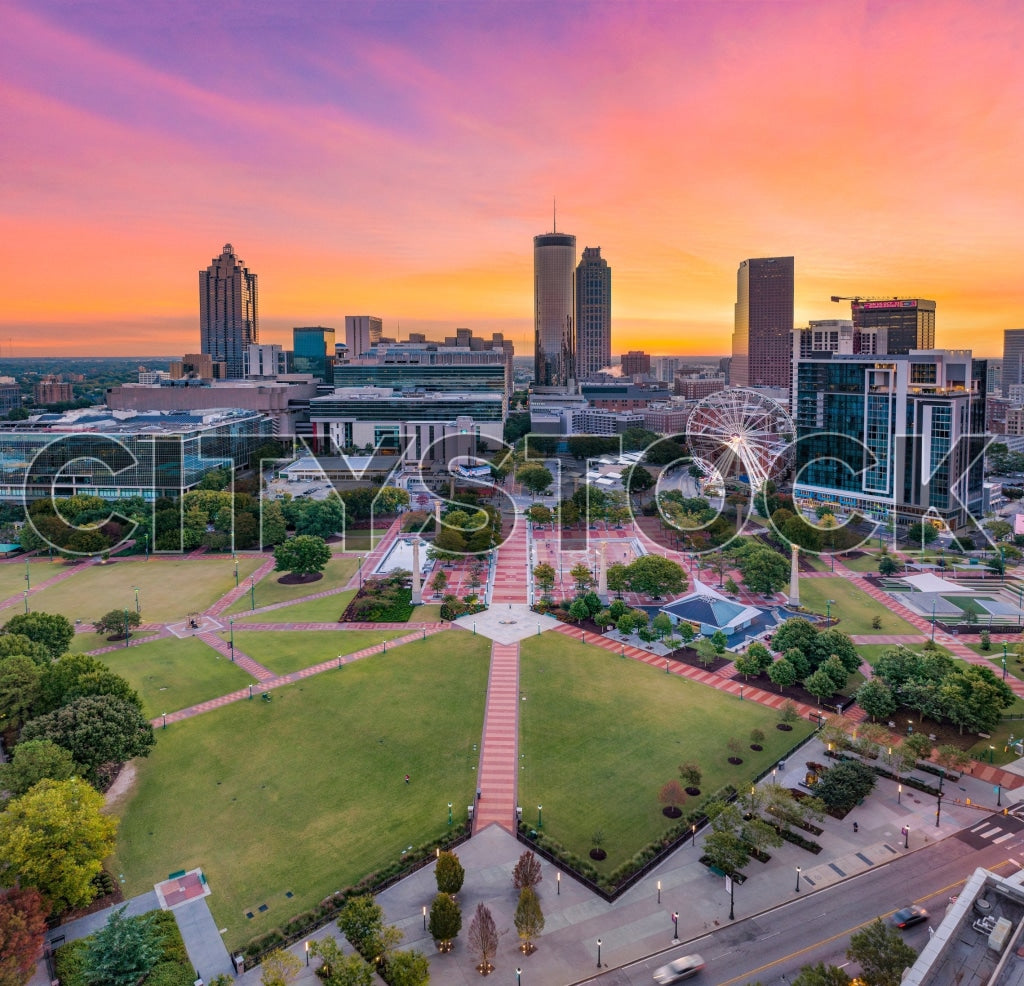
point(680, 969)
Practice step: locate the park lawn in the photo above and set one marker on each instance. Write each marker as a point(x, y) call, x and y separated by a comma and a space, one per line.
point(12, 575)
point(853, 609)
point(285, 651)
point(83, 643)
point(599, 736)
point(269, 591)
point(820, 563)
point(305, 794)
point(326, 609)
point(865, 563)
point(427, 613)
point(169, 588)
point(172, 673)
point(360, 539)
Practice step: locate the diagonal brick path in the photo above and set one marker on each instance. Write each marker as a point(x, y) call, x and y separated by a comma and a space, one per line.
point(65, 573)
point(246, 663)
point(497, 778)
point(241, 589)
point(511, 571)
point(285, 679)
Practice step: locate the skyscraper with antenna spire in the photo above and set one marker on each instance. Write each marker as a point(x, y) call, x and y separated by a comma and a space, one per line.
point(554, 307)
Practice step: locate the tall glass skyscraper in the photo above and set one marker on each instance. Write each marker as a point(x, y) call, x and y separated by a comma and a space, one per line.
point(228, 322)
point(763, 330)
point(593, 313)
point(554, 307)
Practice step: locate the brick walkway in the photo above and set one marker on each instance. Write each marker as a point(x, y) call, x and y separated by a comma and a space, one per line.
point(498, 776)
point(241, 589)
point(246, 663)
point(511, 573)
point(66, 572)
point(371, 560)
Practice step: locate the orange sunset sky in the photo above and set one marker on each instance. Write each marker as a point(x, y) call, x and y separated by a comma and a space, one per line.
point(397, 158)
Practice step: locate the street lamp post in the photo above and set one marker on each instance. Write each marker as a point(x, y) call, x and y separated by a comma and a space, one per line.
point(659, 891)
point(999, 795)
point(449, 813)
point(599, 953)
point(307, 952)
point(138, 608)
point(165, 720)
point(693, 834)
point(741, 693)
point(798, 879)
point(519, 977)
point(991, 754)
point(906, 836)
point(231, 627)
point(236, 571)
point(252, 593)
point(26, 600)
point(1004, 660)
point(732, 909)
point(28, 577)
point(540, 816)
point(938, 809)
point(828, 612)
point(424, 917)
point(675, 926)
point(933, 620)
point(146, 537)
point(899, 793)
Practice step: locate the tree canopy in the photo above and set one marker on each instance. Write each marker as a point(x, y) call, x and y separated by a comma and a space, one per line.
point(53, 631)
point(302, 555)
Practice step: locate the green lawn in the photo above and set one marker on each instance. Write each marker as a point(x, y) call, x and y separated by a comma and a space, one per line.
point(169, 588)
point(82, 643)
point(599, 736)
point(853, 608)
point(305, 793)
point(360, 539)
point(284, 651)
point(427, 613)
point(270, 591)
point(866, 563)
point(12, 575)
point(172, 674)
point(327, 609)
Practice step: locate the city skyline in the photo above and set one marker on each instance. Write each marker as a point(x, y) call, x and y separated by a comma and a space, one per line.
point(399, 158)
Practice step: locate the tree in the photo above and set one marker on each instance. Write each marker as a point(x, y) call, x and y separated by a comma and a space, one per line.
point(339, 969)
point(662, 624)
point(921, 533)
point(539, 514)
point(686, 631)
point(655, 576)
point(544, 578)
point(33, 761)
point(449, 873)
point(361, 921)
point(672, 796)
point(273, 526)
point(887, 565)
point(782, 673)
point(124, 951)
point(55, 838)
point(821, 975)
point(95, 730)
point(637, 480)
point(617, 578)
point(321, 518)
point(763, 570)
point(445, 920)
point(302, 555)
point(918, 746)
point(747, 665)
point(795, 632)
point(527, 871)
point(881, 953)
point(845, 784)
point(53, 631)
point(875, 697)
point(19, 690)
point(719, 641)
point(409, 968)
point(536, 478)
point(76, 675)
point(820, 685)
point(280, 968)
point(529, 918)
point(117, 623)
point(14, 643)
point(725, 851)
point(483, 937)
point(707, 653)
point(578, 610)
point(690, 774)
point(582, 576)
point(22, 933)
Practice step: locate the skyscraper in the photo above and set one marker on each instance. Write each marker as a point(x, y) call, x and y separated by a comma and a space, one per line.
point(763, 329)
point(1013, 358)
point(900, 324)
point(361, 333)
point(593, 313)
point(228, 321)
point(314, 351)
point(554, 308)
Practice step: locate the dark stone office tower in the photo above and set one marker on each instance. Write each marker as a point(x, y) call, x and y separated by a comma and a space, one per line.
point(762, 347)
point(899, 324)
point(227, 311)
point(554, 310)
point(593, 313)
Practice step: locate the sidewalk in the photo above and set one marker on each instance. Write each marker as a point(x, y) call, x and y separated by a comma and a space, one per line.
point(636, 925)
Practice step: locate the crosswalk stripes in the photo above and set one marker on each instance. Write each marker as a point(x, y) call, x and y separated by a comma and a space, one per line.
point(992, 832)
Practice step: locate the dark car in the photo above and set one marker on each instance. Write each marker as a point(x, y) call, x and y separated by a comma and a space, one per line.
point(907, 916)
point(680, 969)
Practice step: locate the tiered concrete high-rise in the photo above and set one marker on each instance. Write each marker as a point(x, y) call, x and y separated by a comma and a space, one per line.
point(554, 328)
point(228, 322)
point(593, 313)
point(762, 336)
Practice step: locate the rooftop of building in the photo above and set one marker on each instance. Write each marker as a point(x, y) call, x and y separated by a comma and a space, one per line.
point(103, 420)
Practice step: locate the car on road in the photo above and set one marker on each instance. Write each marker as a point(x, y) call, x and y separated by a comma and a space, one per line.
point(909, 916)
point(680, 969)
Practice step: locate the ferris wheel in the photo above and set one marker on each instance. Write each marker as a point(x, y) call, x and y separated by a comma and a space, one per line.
point(740, 432)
